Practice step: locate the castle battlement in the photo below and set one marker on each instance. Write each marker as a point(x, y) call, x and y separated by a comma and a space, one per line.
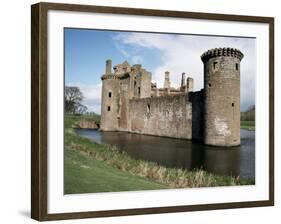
point(132, 103)
point(226, 52)
point(109, 76)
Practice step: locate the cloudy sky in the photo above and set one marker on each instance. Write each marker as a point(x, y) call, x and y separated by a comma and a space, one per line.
point(87, 50)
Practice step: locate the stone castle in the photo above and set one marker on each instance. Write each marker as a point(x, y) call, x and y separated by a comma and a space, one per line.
point(132, 103)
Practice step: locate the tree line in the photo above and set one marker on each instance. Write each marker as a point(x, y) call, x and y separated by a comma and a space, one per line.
point(249, 115)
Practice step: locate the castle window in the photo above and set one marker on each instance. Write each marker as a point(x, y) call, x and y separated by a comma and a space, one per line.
point(109, 94)
point(232, 104)
point(236, 66)
point(139, 90)
point(148, 108)
point(215, 65)
point(210, 84)
point(135, 83)
point(108, 108)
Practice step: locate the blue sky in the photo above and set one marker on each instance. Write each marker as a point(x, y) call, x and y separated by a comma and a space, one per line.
point(87, 50)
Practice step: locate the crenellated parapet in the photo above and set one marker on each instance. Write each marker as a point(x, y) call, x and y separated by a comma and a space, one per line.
point(226, 51)
point(108, 76)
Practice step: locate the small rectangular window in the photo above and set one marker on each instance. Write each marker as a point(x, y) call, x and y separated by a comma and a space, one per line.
point(139, 90)
point(108, 108)
point(109, 94)
point(215, 65)
point(236, 66)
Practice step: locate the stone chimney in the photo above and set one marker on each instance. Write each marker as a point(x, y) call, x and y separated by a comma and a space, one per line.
point(108, 66)
point(189, 84)
point(167, 80)
point(183, 79)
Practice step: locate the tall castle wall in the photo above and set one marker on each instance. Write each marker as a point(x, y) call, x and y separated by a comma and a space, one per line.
point(169, 116)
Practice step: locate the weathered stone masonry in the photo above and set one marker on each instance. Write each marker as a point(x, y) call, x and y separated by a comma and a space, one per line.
point(130, 102)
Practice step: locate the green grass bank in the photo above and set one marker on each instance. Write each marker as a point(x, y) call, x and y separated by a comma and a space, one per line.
point(248, 125)
point(90, 167)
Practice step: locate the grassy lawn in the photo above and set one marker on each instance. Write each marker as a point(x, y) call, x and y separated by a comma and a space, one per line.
point(85, 174)
point(90, 167)
point(249, 125)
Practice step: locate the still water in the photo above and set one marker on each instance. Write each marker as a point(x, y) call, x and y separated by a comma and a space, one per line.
point(169, 152)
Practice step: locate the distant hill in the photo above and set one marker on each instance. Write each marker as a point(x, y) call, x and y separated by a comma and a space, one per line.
point(248, 115)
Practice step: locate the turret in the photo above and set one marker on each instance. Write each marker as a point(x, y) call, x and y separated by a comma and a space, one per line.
point(222, 96)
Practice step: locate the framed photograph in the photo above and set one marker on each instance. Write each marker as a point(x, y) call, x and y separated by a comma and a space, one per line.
point(140, 111)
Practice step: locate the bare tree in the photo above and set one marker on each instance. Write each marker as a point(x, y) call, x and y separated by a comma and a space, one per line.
point(73, 98)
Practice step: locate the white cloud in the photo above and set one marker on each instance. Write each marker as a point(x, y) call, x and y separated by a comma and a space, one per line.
point(92, 96)
point(122, 50)
point(137, 59)
point(181, 53)
point(125, 53)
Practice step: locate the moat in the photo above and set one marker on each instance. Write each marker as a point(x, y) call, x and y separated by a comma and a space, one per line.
point(169, 152)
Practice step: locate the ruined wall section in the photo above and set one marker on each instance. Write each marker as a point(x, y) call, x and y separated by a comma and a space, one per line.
point(135, 81)
point(123, 116)
point(145, 84)
point(140, 82)
point(169, 116)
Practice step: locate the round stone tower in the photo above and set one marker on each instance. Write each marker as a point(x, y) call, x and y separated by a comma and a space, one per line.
point(222, 96)
point(109, 101)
